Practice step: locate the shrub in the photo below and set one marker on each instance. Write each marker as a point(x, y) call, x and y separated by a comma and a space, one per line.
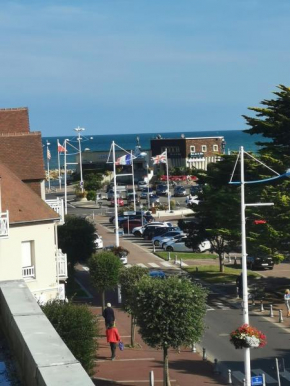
point(77, 327)
point(91, 196)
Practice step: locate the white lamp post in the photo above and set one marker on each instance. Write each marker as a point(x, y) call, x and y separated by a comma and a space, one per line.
point(48, 156)
point(79, 130)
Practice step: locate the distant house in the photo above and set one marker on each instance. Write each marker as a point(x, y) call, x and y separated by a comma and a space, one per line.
point(195, 153)
point(28, 242)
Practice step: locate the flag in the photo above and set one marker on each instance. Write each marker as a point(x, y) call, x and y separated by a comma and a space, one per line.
point(124, 160)
point(60, 148)
point(160, 159)
point(48, 154)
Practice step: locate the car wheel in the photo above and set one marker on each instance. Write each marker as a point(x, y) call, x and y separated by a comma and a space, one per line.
point(271, 268)
point(156, 243)
point(137, 234)
point(169, 249)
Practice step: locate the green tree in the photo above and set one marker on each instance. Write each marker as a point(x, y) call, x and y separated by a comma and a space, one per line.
point(170, 313)
point(129, 277)
point(93, 181)
point(76, 238)
point(104, 272)
point(77, 327)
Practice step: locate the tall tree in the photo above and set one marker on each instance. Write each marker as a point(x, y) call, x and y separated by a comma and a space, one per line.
point(129, 277)
point(76, 238)
point(104, 272)
point(170, 313)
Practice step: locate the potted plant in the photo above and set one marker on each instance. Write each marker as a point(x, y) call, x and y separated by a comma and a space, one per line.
point(247, 337)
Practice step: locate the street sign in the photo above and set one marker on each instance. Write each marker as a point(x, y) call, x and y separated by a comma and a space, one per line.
point(257, 380)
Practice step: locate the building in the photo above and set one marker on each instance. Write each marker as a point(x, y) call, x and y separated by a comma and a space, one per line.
point(195, 153)
point(28, 232)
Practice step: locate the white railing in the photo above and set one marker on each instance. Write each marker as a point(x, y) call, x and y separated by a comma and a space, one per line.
point(4, 224)
point(28, 272)
point(58, 206)
point(61, 261)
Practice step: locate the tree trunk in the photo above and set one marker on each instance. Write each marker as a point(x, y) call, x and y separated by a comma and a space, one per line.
point(166, 380)
point(222, 265)
point(103, 301)
point(133, 330)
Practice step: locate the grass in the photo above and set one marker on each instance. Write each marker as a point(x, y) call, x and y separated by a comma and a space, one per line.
point(186, 255)
point(211, 274)
point(73, 289)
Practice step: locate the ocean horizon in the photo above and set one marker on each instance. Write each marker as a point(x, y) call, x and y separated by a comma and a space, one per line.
point(233, 138)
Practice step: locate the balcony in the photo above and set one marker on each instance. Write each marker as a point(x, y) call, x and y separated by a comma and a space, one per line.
point(61, 265)
point(58, 206)
point(4, 225)
point(28, 272)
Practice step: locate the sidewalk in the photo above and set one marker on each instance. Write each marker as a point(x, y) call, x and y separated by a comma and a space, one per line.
point(132, 366)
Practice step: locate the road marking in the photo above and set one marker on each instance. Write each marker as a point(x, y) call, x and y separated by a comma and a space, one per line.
point(166, 264)
point(141, 265)
point(154, 265)
point(131, 381)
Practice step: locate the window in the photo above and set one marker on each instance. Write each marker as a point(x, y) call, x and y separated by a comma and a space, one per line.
point(203, 148)
point(192, 149)
point(215, 148)
point(27, 255)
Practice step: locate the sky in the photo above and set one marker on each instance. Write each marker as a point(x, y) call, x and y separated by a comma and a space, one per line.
point(141, 66)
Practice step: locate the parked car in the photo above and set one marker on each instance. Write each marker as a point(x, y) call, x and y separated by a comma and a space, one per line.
point(98, 241)
point(141, 184)
point(196, 189)
point(138, 231)
point(128, 226)
point(120, 202)
point(144, 193)
point(157, 274)
point(180, 246)
point(111, 195)
point(130, 198)
point(158, 240)
point(152, 231)
point(174, 238)
point(127, 219)
point(162, 190)
point(120, 252)
point(179, 191)
point(260, 262)
point(154, 200)
point(135, 215)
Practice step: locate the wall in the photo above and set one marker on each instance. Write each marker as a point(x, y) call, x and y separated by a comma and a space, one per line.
point(44, 283)
point(43, 358)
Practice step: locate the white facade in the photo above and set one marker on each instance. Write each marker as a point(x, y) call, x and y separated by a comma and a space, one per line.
point(30, 254)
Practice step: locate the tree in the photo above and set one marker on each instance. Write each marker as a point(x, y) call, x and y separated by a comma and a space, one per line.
point(170, 313)
point(93, 182)
point(104, 272)
point(76, 238)
point(77, 327)
point(129, 277)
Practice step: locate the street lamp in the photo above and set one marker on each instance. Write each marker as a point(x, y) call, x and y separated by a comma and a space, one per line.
point(247, 359)
point(65, 176)
point(79, 130)
point(48, 156)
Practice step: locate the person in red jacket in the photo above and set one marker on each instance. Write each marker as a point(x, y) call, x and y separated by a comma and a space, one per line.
point(113, 338)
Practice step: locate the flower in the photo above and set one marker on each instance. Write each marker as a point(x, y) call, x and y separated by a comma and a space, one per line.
point(247, 337)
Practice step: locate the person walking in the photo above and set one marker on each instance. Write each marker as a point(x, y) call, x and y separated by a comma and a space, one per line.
point(287, 301)
point(113, 337)
point(109, 315)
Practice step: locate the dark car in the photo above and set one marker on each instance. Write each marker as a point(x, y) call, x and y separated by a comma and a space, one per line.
point(127, 219)
point(131, 224)
point(260, 262)
point(152, 231)
point(196, 189)
point(161, 190)
point(120, 252)
point(180, 191)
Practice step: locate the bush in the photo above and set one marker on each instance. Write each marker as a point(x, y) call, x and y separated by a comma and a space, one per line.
point(172, 204)
point(77, 327)
point(92, 195)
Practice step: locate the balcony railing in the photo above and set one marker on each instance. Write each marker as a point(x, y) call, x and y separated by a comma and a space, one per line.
point(28, 272)
point(4, 225)
point(61, 265)
point(58, 206)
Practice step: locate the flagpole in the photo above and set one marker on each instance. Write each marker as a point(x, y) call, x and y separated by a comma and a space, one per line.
point(58, 158)
point(115, 196)
point(168, 195)
point(65, 179)
point(134, 195)
point(48, 158)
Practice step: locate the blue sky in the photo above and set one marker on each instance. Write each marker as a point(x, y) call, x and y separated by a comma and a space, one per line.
point(133, 66)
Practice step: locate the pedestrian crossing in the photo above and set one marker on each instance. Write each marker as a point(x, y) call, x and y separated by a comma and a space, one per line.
point(161, 265)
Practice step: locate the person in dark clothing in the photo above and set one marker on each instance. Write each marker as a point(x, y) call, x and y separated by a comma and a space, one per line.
point(113, 337)
point(109, 315)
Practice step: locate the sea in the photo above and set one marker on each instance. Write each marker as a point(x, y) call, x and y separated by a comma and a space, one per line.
point(233, 138)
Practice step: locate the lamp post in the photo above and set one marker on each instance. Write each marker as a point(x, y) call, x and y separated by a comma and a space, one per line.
point(247, 359)
point(65, 177)
point(79, 130)
point(48, 156)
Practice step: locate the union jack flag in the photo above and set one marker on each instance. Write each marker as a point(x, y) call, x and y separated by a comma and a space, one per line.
point(160, 159)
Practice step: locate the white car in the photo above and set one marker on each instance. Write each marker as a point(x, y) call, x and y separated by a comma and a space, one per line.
point(142, 184)
point(98, 241)
point(138, 231)
point(179, 246)
point(159, 240)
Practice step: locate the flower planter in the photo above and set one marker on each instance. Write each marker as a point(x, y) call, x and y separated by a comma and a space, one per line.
point(247, 337)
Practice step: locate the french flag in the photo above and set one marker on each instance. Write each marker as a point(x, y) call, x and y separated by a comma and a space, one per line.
point(124, 160)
